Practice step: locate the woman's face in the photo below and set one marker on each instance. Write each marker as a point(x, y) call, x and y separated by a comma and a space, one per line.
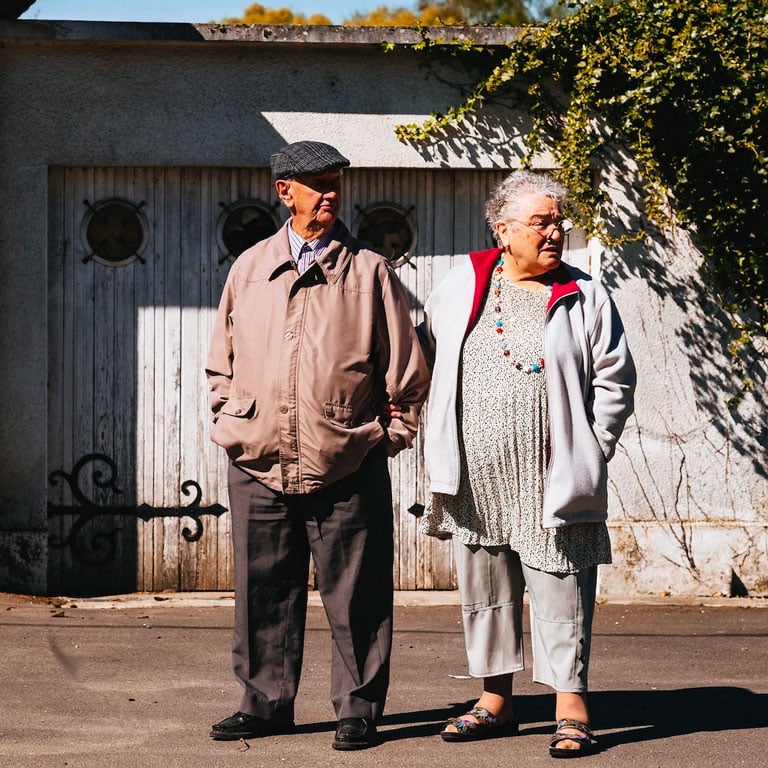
point(532, 239)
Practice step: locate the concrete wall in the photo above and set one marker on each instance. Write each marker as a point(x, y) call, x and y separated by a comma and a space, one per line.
point(689, 511)
point(690, 489)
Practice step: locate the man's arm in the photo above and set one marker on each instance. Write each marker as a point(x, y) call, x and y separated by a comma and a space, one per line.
point(406, 374)
point(218, 367)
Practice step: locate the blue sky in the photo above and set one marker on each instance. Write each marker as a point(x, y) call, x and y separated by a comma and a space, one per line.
point(193, 10)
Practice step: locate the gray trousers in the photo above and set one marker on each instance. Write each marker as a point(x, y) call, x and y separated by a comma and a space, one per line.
point(491, 583)
point(347, 528)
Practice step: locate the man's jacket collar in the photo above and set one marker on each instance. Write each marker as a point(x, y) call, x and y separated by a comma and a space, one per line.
point(333, 261)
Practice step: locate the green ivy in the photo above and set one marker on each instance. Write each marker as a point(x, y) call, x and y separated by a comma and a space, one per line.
point(683, 84)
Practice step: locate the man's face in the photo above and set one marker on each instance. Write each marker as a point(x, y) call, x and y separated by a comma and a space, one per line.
point(314, 201)
point(532, 238)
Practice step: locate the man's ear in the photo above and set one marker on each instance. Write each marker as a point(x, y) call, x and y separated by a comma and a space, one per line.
point(283, 189)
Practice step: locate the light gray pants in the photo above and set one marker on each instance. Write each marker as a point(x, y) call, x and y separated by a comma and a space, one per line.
point(491, 583)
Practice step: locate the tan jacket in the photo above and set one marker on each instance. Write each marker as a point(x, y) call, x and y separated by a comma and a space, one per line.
point(301, 367)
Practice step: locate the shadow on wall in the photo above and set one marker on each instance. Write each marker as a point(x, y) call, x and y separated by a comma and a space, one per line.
point(690, 458)
point(485, 137)
point(686, 457)
point(672, 268)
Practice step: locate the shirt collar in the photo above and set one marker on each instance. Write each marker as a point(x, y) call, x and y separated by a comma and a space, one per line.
point(316, 246)
point(332, 261)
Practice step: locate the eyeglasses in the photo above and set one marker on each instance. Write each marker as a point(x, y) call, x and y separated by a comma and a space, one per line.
point(545, 228)
point(323, 182)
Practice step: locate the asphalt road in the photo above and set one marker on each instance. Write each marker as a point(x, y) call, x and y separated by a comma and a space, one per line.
point(138, 681)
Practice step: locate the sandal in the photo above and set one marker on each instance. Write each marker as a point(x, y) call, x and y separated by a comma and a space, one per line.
point(484, 726)
point(585, 738)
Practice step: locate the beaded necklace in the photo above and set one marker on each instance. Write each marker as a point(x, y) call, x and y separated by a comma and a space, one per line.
point(536, 367)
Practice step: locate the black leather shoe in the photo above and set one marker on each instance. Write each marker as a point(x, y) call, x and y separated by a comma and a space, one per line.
point(355, 733)
point(244, 726)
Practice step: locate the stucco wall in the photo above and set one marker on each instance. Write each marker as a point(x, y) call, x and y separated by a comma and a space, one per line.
point(689, 488)
point(81, 101)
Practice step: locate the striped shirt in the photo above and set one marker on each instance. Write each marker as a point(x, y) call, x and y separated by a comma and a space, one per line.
point(305, 253)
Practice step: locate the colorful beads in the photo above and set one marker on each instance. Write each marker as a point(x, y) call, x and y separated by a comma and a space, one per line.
point(537, 367)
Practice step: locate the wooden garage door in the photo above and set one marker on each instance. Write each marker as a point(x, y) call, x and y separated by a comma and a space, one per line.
point(137, 499)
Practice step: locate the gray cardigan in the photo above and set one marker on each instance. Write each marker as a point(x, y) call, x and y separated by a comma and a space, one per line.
point(590, 384)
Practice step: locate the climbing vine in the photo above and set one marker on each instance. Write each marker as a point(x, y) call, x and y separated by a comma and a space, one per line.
point(682, 84)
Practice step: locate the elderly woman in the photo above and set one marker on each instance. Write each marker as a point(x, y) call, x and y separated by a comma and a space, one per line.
point(532, 384)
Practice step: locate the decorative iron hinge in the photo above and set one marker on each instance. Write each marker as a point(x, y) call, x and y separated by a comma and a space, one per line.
point(101, 547)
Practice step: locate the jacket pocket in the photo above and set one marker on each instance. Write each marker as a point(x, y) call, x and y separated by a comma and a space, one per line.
point(233, 425)
point(339, 414)
point(239, 407)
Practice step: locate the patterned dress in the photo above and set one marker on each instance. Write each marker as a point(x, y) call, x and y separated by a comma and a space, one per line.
point(503, 445)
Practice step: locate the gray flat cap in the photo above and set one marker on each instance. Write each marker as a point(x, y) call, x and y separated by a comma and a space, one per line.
point(306, 158)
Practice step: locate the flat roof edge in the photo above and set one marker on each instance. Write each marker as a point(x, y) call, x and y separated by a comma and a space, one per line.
point(119, 31)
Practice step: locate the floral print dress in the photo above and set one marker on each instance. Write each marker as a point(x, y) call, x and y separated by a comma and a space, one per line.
point(503, 444)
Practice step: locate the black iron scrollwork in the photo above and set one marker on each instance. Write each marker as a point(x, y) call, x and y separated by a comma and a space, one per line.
point(102, 545)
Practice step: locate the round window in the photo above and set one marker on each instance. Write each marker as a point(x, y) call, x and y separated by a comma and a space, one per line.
point(389, 229)
point(243, 224)
point(115, 232)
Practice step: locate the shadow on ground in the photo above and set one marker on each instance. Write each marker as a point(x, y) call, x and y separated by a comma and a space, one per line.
point(621, 717)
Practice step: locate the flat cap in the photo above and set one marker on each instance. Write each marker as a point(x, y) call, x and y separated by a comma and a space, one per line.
point(306, 158)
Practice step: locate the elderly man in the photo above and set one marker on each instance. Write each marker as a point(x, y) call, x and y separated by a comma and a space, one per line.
point(312, 340)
